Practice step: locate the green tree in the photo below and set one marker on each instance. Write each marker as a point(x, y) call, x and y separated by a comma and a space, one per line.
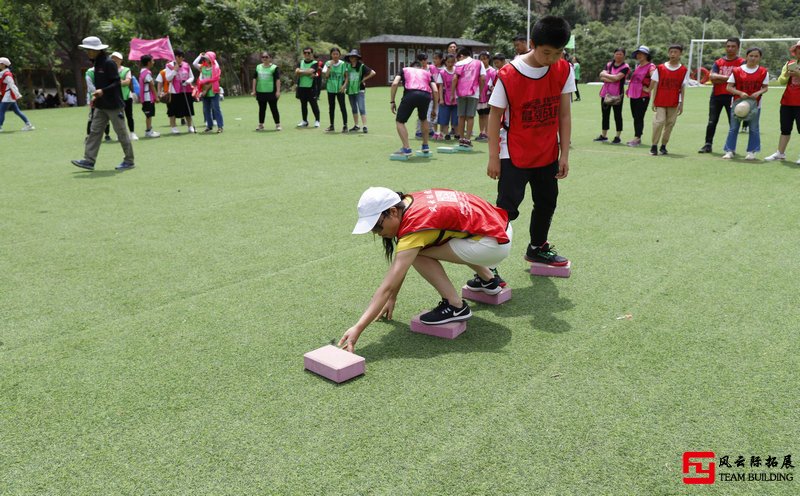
point(496, 23)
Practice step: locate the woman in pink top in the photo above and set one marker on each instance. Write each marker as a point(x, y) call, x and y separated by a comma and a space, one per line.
point(483, 101)
point(613, 77)
point(639, 91)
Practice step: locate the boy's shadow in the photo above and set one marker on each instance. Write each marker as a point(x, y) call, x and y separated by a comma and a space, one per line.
point(94, 174)
point(540, 301)
point(481, 336)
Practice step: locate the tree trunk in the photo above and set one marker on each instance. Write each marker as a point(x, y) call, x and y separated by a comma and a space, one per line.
point(75, 59)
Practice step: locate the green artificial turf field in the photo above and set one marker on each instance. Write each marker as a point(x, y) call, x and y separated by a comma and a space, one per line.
point(154, 321)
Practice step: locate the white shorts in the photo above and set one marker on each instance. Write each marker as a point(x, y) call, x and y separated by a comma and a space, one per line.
point(485, 251)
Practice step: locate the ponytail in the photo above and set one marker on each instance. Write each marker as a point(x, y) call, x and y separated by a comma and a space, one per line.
point(389, 243)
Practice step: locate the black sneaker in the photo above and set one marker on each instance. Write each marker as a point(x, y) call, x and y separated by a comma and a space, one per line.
point(490, 287)
point(616, 141)
point(108, 138)
point(447, 137)
point(364, 130)
point(663, 150)
point(124, 166)
point(83, 164)
point(706, 148)
point(445, 312)
point(500, 280)
point(654, 150)
point(355, 129)
point(329, 129)
point(600, 138)
point(545, 254)
point(344, 130)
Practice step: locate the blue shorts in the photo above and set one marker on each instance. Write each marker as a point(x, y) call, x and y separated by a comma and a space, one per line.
point(448, 114)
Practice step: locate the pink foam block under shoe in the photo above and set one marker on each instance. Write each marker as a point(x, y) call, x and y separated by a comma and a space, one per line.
point(481, 297)
point(540, 269)
point(451, 330)
point(333, 363)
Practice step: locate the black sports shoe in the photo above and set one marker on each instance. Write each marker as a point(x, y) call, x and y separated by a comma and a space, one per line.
point(663, 150)
point(329, 129)
point(500, 279)
point(616, 141)
point(600, 138)
point(654, 150)
point(706, 148)
point(445, 312)
point(355, 129)
point(545, 254)
point(344, 129)
point(83, 164)
point(124, 166)
point(491, 287)
point(364, 130)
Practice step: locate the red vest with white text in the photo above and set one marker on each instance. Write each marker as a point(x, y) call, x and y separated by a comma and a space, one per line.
point(668, 91)
point(449, 210)
point(791, 95)
point(4, 87)
point(749, 83)
point(726, 67)
point(533, 106)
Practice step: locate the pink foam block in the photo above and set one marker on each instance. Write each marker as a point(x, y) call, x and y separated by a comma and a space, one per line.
point(540, 269)
point(481, 297)
point(451, 330)
point(332, 363)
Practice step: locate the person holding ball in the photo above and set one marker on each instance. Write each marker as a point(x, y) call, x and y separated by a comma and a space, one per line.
point(423, 229)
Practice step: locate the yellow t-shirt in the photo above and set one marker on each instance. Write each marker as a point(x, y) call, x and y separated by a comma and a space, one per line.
point(428, 238)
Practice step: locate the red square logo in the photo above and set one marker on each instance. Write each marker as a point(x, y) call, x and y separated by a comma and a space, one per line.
point(701, 475)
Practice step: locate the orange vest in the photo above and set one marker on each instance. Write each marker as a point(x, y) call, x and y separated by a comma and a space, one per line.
point(669, 87)
point(749, 83)
point(448, 210)
point(791, 95)
point(533, 105)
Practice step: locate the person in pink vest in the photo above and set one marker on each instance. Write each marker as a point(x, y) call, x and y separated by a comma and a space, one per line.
point(748, 81)
point(612, 94)
point(448, 108)
point(483, 101)
point(208, 88)
point(9, 94)
point(435, 69)
point(667, 90)
point(148, 95)
point(180, 77)
point(639, 91)
point(790, 102)
point(467, 85)
point(418, 90)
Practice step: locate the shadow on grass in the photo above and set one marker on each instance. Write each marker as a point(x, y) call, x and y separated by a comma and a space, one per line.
point(94, 174)
point(791, 165)
point(481, 336)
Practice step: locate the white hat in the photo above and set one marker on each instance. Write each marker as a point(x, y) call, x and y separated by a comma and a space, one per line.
point(742, 109)
point(117, 55)
point(92, 43)
point(5, 61)
point(371, 205)
point(642, 49)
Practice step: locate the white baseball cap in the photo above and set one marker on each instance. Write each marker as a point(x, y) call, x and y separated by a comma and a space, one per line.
point(371, 205)
point(117, 55)
point(5, 61)
point(92, 43)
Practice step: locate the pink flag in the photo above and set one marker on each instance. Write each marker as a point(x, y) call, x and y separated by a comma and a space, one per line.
point(159, 49)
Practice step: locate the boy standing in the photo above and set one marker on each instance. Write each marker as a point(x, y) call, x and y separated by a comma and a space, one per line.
point(667, 89)
point(147, 95)
point(531, 100)
point(467, 85)
point(126, 82)
point(720, 98)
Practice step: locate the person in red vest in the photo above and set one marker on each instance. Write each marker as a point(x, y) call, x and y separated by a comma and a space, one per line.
point(667, 89)
point(529, 132)
point(720, 98)
point(790, 102)
point(748, 81)
point(422, 230)
point(9, 94)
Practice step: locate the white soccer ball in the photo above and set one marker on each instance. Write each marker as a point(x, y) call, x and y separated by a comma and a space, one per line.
point(742, 109)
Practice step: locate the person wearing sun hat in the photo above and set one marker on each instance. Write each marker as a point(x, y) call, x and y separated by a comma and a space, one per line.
point(9, 94)
point(108, 105)
point(790, 102)
point(357, 74)
point(425, 228)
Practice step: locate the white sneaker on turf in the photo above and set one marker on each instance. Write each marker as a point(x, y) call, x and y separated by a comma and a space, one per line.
point(134, 137)
point(750, 156)
point(192, 130)
point(175, 130)
point(152, 134)
point(278, 127)
point(316, 123)
point(728, 155)
point(28, 127)
point(776, 156)
point(303, 124)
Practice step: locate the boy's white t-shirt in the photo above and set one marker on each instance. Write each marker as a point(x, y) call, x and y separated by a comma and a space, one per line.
point(499, 98)
point(654, 77)
point(466, 61)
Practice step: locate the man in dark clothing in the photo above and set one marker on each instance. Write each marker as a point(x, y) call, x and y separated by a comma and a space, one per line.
point(108, 106)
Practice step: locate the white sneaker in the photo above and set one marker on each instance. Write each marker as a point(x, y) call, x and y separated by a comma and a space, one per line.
point(192, 130)
point(728, 155)
point(175, 130)
point(776, 156)
point(303, 124)
point(278, 127)
point(798, 159)
point(134, 137)
point(316, 123)
point(152, 134)
point(750, 156)
point(28, 127)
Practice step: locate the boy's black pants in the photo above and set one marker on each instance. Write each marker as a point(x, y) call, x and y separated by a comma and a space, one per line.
point(544, 191)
